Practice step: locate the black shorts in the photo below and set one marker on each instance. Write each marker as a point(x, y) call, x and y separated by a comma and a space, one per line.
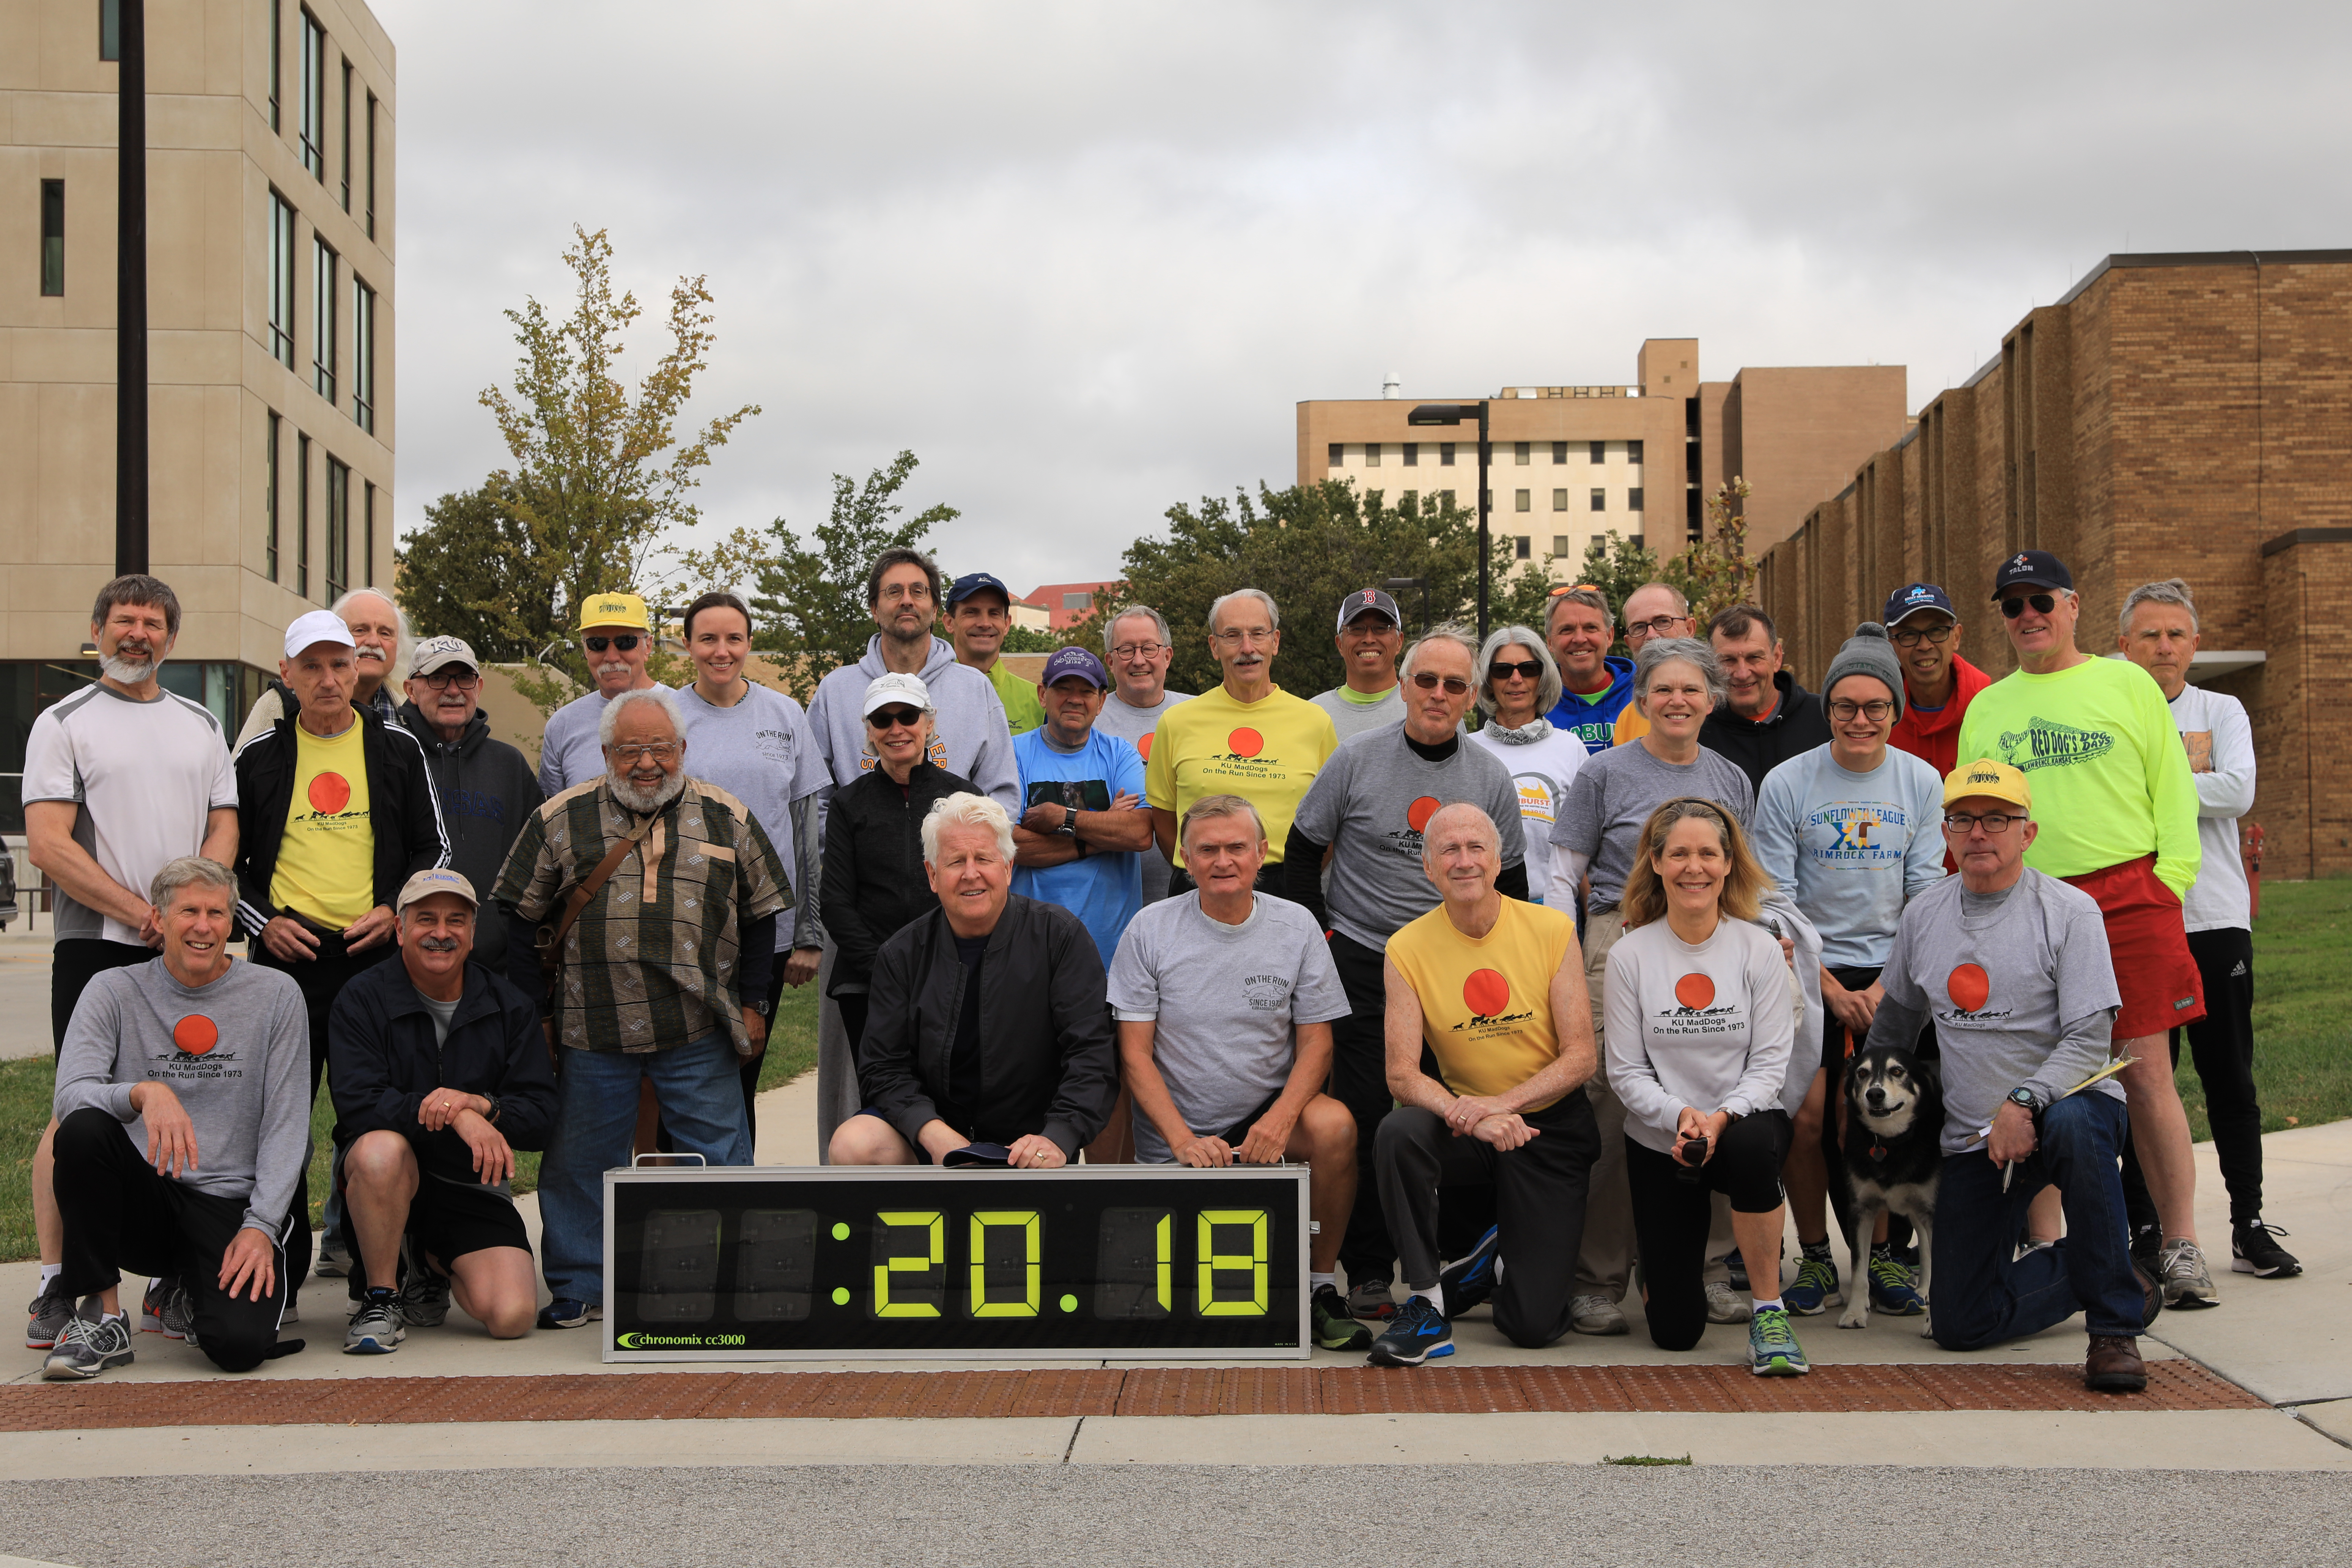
point(450, 1219)
point(1241, 1129)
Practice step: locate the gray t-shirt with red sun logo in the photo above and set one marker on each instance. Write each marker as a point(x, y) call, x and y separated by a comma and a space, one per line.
point(1370, 803)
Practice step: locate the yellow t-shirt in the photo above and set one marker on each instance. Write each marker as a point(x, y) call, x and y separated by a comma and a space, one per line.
point(1631, 726)
point(1266, 752)
point(1485, 1005)
point(326, 863)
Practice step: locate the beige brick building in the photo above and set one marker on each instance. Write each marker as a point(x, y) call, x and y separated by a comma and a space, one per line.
point(2173, 415)
point(271, 172)
point(1574, 463)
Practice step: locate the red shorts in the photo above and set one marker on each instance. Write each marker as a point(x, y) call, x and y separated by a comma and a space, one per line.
point(2157, 977)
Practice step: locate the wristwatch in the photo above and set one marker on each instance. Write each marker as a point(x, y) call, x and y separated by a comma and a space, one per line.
point(2030, 1101)
point(1069, 828)
point(493, 1117)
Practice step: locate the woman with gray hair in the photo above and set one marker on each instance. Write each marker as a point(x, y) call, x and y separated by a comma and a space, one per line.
point(1518, 684)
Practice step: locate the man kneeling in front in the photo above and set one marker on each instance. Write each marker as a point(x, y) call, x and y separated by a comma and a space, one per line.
point(1224, 998)
point(1495, 989)
point(986, 1038)
point(2012, 968)
point(183, 1122)
point(440, 1073)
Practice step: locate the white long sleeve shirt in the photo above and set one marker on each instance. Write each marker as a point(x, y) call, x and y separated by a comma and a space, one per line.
point(2220, 744)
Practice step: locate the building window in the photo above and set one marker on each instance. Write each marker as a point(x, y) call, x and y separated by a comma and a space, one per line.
point(1525, 547)
point(314, 98)
point(367, 534)
point(1559, 499)
point(1633, 499)
point(277, 55)
point(269, 499)
point(1412, 500)
point(1372, 454)
point(1085, 601)
point(339, 530)
point(1599, 451)
point(346, 148)
point(363, 356)
point(281, 280)
point(1446, 457)
point(53, 237)
point(1633, 453)
point(1411, 450)
point(323, 319)
point(110, 29)
point(371, 165)
point(1339, 453)
point(302, 515)
point(1600, 499)
point(1559, 451)
point(1522, 501)
point(1522, 453)
point(1446, 499)
point(1560, 545)
point(1635, 542)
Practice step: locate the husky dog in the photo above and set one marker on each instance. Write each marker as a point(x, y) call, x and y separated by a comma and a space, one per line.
point(1893, 1116)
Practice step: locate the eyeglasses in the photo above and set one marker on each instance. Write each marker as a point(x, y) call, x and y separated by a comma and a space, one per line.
point(895, 718)
point(1501, 670)
point(1657, 625)
point(1994, 822)
point(1138, 651)
point(1845, 712)
point(626, 642)
point(1233, 636)
point(1939, 635)
point(442, 679)
point(659, 751)
point(1454, 685)
point(2043, 605)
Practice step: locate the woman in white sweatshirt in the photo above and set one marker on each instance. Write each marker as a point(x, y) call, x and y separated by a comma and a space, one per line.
point(1698, 1041)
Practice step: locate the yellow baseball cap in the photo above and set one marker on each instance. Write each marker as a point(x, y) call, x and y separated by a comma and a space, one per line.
point(1986, 778)
point(614, 610)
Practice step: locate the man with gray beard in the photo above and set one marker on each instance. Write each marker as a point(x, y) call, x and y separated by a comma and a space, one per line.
point(660, 893)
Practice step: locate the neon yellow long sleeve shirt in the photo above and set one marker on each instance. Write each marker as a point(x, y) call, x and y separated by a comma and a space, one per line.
point(2110, 778)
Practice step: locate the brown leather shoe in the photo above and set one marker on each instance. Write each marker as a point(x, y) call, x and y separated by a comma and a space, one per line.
point(2114, 1366)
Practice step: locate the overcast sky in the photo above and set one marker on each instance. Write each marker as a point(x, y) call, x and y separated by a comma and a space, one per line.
point(1085, 259)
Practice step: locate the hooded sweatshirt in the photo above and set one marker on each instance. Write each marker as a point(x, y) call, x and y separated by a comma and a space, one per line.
point(971, 737)
point(1593, 718)
point(487, 789)
point(1933, 734)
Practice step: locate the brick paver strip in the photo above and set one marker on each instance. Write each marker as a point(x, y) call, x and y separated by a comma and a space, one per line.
point(1090, 1391)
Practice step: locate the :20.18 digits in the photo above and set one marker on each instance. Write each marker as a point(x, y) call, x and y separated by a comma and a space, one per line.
point(1146, 1264)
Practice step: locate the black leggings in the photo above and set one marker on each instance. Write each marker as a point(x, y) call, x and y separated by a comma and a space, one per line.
point(1672, 1212)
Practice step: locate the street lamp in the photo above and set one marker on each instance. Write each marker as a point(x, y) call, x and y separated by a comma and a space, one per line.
point(1394, 584)
point(1454, 414)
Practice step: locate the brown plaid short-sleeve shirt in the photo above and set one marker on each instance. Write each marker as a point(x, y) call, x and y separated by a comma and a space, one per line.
point(654, 959)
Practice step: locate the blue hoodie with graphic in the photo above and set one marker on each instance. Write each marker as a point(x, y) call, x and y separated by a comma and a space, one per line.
point(1593, 720)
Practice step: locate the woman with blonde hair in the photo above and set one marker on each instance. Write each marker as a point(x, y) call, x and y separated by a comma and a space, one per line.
point(1699, 1043)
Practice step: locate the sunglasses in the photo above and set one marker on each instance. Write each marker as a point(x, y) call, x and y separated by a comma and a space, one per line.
point(1501, 670)
point(895, 718)
point(626, 642)
point(1454, 685)
point(2043, 605)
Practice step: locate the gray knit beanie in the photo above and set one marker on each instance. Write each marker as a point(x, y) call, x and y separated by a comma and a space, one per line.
point(1867, 652)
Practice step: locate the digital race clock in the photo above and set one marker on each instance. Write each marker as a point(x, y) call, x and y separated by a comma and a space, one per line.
point(1087, 1261)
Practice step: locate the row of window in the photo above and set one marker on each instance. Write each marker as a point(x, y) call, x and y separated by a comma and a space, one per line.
point(1522, 452)
point(1522, 546)
point(314, 83)
point(1524, 500)
point(335, 576)
point(326, 342)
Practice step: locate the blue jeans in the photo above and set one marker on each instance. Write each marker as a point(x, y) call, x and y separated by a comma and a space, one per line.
point(1982, 1296)
point(596, 1120)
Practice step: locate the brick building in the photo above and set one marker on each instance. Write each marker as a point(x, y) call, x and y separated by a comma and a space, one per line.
point(2172, 415)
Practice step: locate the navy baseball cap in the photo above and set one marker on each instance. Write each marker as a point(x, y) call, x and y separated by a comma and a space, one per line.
point(1073, 662)
point(2031, 569)
point(1909, 601)
point(1372, 599)
point(972, 582)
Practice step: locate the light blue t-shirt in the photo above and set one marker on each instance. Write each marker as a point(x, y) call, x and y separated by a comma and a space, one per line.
point(1851, 849)
point(1104, 891)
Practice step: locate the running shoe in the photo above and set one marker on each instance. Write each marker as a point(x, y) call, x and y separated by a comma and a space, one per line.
point(1724, 1305)
point(2186, 1285)
point(1815, 1288)
point(375, 1328)
point(1772, 1347)
point(1472, 1279)
point(1336, 1329)
point(2251, 1251)
point(564, 1312)
point(424, 1298)
point(47, 1316)
point(333, 1262)
point(1370, 1299)
point(1595, 1315)
point(1891, 1288)
point(1419, 1332)
point(88, 1343)
point(160, 1312)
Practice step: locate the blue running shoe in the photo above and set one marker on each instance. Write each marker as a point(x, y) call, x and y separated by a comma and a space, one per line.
point(1471, 1279)
point(1772, 1347)
point(1417, 1333)
point(564, 1312)
point(1815, 1288)
point(1891, 1290)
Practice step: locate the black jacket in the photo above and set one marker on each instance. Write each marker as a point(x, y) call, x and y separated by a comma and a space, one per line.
point(383, 1062)
point(402, 812)
point(873, 883)
point(1046, 1062)
point(1799, 723)
point(487, 788)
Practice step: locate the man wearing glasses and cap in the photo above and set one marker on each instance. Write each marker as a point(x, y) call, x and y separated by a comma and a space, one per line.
point(1079, 839)
point(487, 787)
point(2118, 807)
point(980, 612)
point(1372, 633)
point(1937, 683)
point(616, 636)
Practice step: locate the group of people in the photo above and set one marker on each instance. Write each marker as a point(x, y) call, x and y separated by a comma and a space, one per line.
point(1544, 959)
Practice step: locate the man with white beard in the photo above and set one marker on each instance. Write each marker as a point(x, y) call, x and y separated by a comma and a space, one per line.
point(379, 632)
point(120, 779)
point(662, 975)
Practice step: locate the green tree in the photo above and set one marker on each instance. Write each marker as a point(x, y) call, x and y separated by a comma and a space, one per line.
point(810, 603)
point(1715, 573)
point(451, 577)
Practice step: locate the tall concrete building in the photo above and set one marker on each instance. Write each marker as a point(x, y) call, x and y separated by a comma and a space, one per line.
point(2178, 414)
point(1574, 463)
point(270, 222)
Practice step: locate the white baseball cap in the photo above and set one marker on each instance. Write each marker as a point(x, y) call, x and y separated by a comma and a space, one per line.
point(888, 688)
point(313, 627)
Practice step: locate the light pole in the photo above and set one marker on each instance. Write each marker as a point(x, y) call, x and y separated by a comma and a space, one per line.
point(1394, 584)
point(130, 294)
point(1453, 414)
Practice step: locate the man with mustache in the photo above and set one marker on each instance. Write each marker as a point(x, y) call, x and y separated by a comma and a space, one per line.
point(121, 778)
point(616, 638)
point(379, 631)
point(661, 893)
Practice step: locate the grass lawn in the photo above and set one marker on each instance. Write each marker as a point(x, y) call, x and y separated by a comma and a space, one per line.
point(25, 1090)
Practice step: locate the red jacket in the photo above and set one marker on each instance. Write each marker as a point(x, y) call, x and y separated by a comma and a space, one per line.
point(1935, 737)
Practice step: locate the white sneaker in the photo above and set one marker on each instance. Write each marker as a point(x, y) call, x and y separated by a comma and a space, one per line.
point(1724, 1305)
point(1595, 1315)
